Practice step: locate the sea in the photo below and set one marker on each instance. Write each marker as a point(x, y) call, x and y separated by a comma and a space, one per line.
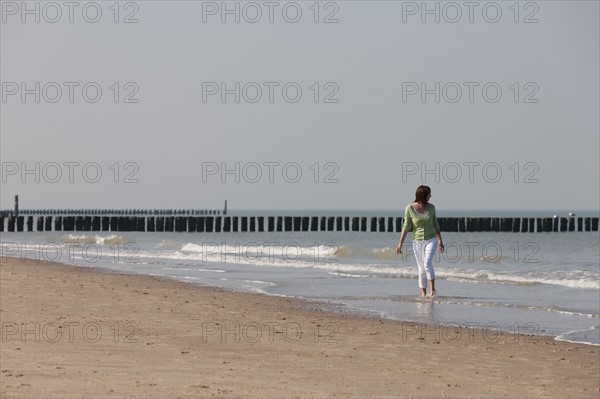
point(526, 284)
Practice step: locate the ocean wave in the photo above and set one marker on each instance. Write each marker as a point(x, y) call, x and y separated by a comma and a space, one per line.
point(93, 239)
point(589, 336)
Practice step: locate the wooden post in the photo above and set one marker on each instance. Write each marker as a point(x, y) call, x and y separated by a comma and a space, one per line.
point(96, 223)
point(505, 224)
point(346, 223)
point(2, 223)
point(279, 223)
point(305, 223)
point(563, 224)
point(244, 223)
point(235, 220)
point(571, 224)
point(495, 224)
point(555, 222)
point(40, 223)
point(20, 223)
point(180, 224)
point(461, 225)
point(219, 224)
point(252, 220)
point(471, 224)
point(169, 223)
point(160, 224)
point(443, 222)
point(200, 224)
point(399, 224)
point(191, 224)
point(373, 224)
point(227, 224)
point(363, 223)
point(579, 224)
point(390, 225)
point(297, 223)
point(454, 224)
point(271, 223)
point(516, 225)
point(151, 223)
point(69, 223)
point(48, 223)
point(338, 223)
point(78, 223)
point(588, 224)
point(547, 224)
point(287, 221)
point(531, 225)
point(381, 222)
point(141, 223)
point(525, 225)
point(594, 224)
point(87, 223)
point(330, 222)
point(58, 223)
point(355, 224)
point(323, 226)
point(121, 223)
point(105, 221)
point(210, 221)
point(29, 223)
point(11, 223)
point(314, 223)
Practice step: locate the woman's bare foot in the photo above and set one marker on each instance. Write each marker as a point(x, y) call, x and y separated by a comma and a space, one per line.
point(432, 295)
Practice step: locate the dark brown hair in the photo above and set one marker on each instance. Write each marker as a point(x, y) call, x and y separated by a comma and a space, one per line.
point(421, 195)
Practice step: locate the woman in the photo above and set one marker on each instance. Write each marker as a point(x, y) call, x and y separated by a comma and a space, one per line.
point(420, 217)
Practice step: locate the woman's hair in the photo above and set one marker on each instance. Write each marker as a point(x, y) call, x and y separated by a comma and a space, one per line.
point(421, 194)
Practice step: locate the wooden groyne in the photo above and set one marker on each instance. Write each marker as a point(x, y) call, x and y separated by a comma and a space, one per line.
point(191, 222)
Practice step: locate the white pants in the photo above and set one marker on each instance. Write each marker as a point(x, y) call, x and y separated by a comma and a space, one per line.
point(424, 252)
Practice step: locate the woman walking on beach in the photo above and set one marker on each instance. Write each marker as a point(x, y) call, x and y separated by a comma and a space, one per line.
point(420, 217)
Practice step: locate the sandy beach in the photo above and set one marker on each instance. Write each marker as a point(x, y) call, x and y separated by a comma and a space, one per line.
point(73, 332)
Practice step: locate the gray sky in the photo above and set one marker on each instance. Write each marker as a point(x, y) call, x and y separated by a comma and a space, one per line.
point(360, 134)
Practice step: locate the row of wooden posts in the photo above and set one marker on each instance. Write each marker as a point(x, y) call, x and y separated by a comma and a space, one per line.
point(286, 223)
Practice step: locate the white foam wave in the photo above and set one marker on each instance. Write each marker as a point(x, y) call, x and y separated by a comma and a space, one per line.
point(327, 258)
point(590, 336)
point(93, 239)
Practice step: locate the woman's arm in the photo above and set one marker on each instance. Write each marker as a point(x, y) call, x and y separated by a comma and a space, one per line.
point(405, 229)
point(402, 238)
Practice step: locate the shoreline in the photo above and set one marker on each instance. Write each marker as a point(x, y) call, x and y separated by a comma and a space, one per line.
point(129, 335)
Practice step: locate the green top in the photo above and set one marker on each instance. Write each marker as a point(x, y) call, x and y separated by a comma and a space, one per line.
point(423, 228)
